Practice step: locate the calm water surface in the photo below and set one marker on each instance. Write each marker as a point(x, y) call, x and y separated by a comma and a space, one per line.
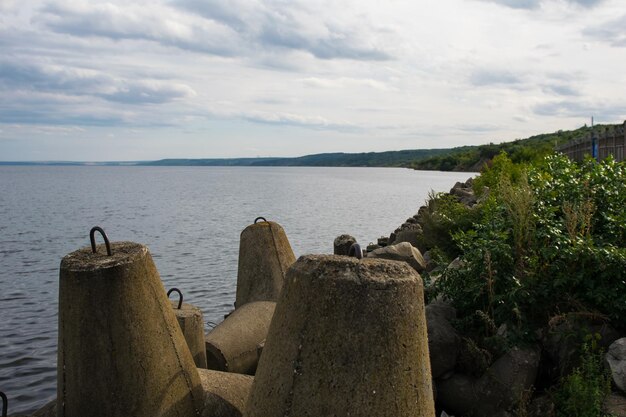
point(190, 218)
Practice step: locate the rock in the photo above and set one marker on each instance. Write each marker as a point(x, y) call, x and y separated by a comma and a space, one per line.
point(562, 342)
point(497, 392)
point(541, 406)
point(443, 340)
point(401, 252)
point(615, 405)
point(616, 358)
point(471, 359)
point(372, 247)
point(409, 233)
point(342, 244)
point(457, 263)
point(464, 194)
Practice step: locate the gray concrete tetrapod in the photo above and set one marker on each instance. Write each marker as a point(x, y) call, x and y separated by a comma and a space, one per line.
point(348, 338)
point(264, 257)
point(342, 244)
point(120, 350)
point(191, 323)
point(233, 345)
point(226, 393)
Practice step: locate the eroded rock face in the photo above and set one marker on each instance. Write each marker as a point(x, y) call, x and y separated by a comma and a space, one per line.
point(616, 358)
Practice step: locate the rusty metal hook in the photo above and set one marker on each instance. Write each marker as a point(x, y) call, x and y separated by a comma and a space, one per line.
point(355, 250)
point(259, 218)
point(180, 300)
point(92, 237)
point(5, 404)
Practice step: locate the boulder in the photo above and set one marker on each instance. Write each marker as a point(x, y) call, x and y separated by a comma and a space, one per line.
point(542, 406)
point(562, 342)
point(443, 340)
point(401, 252)
point(409, 232)
point(615, 405)
point(497, 392)
point(616, 358)
point(464, 193)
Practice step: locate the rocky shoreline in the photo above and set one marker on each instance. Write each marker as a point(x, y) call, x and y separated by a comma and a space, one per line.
point(468, 380)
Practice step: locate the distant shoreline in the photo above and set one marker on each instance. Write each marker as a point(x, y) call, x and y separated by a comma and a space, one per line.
point(340, 159)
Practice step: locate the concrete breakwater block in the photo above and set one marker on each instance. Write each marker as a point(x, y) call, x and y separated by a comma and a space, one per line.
point(191, 323)
point(225, 394)
point(342, 244)
point(348, 338)
point(264, 257)
point(233, 345)
point(121, 351)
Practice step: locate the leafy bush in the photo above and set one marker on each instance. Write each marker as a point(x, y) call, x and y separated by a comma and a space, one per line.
point(582, 392)
point(548, 239)
point(443, 217)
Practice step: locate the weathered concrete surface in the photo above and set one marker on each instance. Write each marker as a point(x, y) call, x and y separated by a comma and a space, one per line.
point(225, 394)
point(191, 323)
point(264, 257)
point(348, 338)
point(342, 244)
point(232, 346)
point(120, 350)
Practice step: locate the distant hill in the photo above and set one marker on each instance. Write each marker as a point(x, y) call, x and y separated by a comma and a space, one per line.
point(473, 158)
point(366, 159)
point(465, 158)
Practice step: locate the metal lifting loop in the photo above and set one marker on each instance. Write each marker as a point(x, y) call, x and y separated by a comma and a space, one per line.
point(5, 404)
point(259, 218)
point(180, 300)
point(92, 237)
point(355, 251)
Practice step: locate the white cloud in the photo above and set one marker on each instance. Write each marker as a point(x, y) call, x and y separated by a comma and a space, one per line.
point(305, 75)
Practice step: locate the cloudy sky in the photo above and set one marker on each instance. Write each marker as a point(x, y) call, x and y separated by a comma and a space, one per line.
point(141, 80)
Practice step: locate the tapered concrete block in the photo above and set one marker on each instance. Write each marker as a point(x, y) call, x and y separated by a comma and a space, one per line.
point(121, 351)
point(264, 257)
point(348, 338)
point(233, 345)
point(342, 244)
point(191, 323)
point(225, 394)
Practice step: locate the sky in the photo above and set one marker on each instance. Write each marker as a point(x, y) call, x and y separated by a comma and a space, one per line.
point(143, 80)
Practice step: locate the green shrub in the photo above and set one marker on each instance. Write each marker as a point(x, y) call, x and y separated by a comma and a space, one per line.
point(549, 239)
point(582, 392)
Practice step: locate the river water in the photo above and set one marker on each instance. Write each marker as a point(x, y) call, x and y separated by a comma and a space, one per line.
point(189, 217)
